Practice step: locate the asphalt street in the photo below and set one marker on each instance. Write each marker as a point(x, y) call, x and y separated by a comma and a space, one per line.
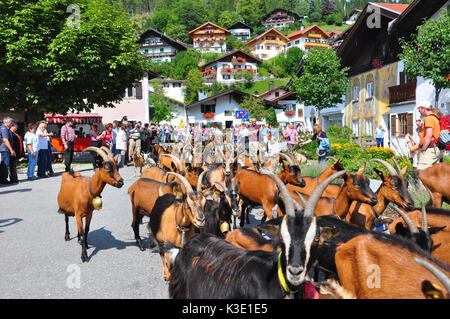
point(36, 261)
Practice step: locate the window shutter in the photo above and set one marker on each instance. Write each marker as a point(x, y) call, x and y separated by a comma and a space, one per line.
point(409, 123)
point(139, 91)
point(213, 108)
point(393, 125)
point(202, 108)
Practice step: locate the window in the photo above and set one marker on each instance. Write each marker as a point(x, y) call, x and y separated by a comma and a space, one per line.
point(177, 85)
point(267, 47)
point(355, 127)
point(130, 93)
point(300, 112)
point(297, 42)
point(208, 108)
point(405, 124)
point(369, 90)
point(277, 94)
point(369, 127)
point(161, 50)
point(356, 93)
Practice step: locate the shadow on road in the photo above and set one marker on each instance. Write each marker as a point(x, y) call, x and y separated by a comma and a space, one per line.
point(16, 191)
point(8, 222)
point(102, 239)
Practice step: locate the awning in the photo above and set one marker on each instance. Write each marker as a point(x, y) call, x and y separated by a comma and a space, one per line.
point(82, 118)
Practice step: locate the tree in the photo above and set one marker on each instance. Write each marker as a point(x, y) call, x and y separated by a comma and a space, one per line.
point(191, 13)
point(329, 7)
point(157, 99)
point(322, 82)
point(272, 117)
point(255, 107)
point(184, 62)
point(251, 11)
point(177, 32)
point(428, 53)
point(228, 18)
point(193, 85)
point(52, 61)
point(292, 61)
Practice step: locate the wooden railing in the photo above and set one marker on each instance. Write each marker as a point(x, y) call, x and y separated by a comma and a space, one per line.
point(402, 92)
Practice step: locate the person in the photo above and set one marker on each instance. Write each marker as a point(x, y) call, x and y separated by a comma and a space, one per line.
point(6, 149)
point(18, 150)
point(244, 135)
point(48, 166)
point(321, 137)
point(115, 131)
point(43, 137)
point(379, 135)
point(291, 134)
point(96, 141)
point(429, 153)
point(32, 142)
point(253, 139)
point(135, 141)
point(121, 145)
point(68, 137)
point(412, 145)
point(109, 136)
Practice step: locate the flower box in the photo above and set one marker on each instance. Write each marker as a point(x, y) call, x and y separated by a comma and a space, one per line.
point(209, 115)
point(289, 112)
point(377, 63)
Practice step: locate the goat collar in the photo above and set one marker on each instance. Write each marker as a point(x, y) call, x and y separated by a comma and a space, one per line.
point(181, 229)
point(90, 189)
point(281, 277)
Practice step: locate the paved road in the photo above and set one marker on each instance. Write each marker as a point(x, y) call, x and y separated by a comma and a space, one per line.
point(36, 262)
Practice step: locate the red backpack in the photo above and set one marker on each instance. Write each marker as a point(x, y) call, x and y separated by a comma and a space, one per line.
point(443, 142)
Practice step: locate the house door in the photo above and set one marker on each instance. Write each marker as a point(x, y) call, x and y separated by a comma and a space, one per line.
point(228, 124)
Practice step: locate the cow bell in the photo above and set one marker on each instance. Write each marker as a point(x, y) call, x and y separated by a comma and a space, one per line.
point(225, 227)
point(97, 203)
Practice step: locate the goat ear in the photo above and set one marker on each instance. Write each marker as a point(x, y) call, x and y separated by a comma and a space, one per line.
point(328, 232)
point(236, 188)
point(400, 229)
point(271, 226)
point(434, 230)
point(431, 291)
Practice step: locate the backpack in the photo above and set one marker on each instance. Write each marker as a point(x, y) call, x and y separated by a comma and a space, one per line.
point(443, 142)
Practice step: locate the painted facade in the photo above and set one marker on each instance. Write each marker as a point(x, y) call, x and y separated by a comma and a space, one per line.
point(279, 18)
point(310, 37)
point(268, 44)
point(158, 47)
point(209, 37)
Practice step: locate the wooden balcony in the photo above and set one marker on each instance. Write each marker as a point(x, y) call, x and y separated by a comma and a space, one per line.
point(234, 71)
point(402, 93)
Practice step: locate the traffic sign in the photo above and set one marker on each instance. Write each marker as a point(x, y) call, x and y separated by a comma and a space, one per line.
point(242, 114)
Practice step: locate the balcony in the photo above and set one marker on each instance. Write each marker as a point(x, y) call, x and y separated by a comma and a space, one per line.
point(238, 60)
point(402, 93)
point(234, 71)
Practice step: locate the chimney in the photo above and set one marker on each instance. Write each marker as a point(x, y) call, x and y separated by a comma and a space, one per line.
point(271, 86)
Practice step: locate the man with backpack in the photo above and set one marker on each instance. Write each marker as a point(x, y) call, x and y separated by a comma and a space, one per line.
point(429, 152)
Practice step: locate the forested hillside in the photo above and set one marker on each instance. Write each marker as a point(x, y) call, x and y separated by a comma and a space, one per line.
point(177, 17)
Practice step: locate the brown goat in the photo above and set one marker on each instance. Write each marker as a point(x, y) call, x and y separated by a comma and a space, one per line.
point(143, 194)
point(251, 239)
point(371, 266)
point(435, 219)
point(355, 188)
point(155, 173)
point(138, 161)
point(171, 163)
point(77, 193)
point(175, 220)
point(429, 290)
point(393, 189)
point(436, 181)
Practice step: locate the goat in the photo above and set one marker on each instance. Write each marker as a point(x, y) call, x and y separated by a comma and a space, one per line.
point(429, 290)
point(251, 239)
point(138, 161)
point(356, 187)
point(174, 220)
point(432, 178)
point(209, 267)
point(76, 195)
point(170, 163)
point(393, 189)
point(143, 194)
point(428, 227)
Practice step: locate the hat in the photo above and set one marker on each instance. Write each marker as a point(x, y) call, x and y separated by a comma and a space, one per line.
point(426, 104)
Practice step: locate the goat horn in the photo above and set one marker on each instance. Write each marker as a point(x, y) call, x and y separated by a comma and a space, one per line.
point(412, 228)
point(332, 158)
point(176, 160)
point(200, 181)
point(362, 168)
point(108, 152)
point(288, 159)
point(397, 166)
point(302, 199)
point(97, 150)
point(183, 180)
point(389, 167)
point(424, 219)
point(221, 185)
point(315, 196)
point(285, 196)
point(436, 272)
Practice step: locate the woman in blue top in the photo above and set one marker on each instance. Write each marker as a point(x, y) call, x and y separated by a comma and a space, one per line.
point(379, 135)
point(322, 139)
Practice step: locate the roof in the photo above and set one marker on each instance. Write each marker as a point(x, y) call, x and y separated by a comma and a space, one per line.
point(280, 9)
point(397, 7)
point(223, 57)
point(240, 25)
point(234, 92)
point(284, 96)
point(208, 23)
point(178, 44)
point(299, 33)
point(282, 36)
point(268, 92)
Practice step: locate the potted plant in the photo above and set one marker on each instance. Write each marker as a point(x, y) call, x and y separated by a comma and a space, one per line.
point(209, 115)
point(289, 112)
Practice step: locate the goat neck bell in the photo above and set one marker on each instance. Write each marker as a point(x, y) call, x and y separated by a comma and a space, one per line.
point(225, 227)
point(97, 203)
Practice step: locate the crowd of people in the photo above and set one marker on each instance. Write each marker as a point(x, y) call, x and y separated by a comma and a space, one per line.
point(124, 138)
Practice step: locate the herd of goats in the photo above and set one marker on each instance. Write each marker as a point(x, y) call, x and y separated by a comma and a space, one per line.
point(313, 232)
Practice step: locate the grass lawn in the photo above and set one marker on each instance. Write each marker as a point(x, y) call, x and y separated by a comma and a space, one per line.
point(263, 86)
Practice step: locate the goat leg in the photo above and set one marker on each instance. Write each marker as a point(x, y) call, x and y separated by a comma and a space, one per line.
point(67, 235)
point(135, 225)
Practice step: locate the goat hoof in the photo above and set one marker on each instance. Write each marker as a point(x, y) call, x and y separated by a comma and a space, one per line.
point(152, 245)
point(67, 237)
point(84, 258)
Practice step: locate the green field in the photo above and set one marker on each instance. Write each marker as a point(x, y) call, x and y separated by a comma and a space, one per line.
point(263, 86)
